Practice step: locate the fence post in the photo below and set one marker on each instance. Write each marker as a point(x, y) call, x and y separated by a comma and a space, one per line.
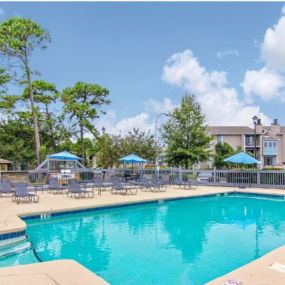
point(258, 177)
point(109, 173)
point(179, 171)
point(215, 173)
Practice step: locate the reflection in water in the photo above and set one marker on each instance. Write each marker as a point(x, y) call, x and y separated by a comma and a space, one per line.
point(180, 242)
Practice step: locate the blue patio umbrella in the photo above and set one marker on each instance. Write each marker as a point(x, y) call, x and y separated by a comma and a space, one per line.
point(242, 158)
point(64, 155)
point(132, 158)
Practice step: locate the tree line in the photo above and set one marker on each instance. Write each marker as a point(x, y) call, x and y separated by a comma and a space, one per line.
point(39, 119)
point(29, 122)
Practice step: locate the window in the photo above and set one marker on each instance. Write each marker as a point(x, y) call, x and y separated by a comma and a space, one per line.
point(220, 139)
point(273, 144)
point(249, 140)
point(270, 144)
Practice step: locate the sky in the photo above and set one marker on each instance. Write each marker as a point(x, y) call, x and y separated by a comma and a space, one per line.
point(231, 56)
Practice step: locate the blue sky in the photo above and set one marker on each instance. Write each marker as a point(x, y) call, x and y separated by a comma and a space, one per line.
point(219, 52)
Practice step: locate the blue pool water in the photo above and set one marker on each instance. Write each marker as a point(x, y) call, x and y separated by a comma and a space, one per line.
point(188, 241)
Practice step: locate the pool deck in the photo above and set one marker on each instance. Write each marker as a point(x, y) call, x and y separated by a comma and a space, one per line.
point(258, 272)
point(50, 272)
point(63, 272)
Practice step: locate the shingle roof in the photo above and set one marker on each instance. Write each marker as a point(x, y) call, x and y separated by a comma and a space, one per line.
point(230, 130)
point(4, 161)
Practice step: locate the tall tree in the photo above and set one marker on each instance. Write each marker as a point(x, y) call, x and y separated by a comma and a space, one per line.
point(7, 102)
point(19, 37)
point(185, 134)
point(44, 94)
point(83, 103)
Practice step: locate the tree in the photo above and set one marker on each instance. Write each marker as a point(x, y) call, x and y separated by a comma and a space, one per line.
point(44, 94)
point(185, 134)
point(83, 102)
point(7, 102)
point(222, 151)
point(17, 140)
point(110, 148)
point(19, 37)
point(107, 151)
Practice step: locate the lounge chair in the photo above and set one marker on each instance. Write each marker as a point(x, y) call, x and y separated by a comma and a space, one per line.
point(76, 190)
point(122, 188)
point(6, 188)
point(187, 185)
point(22, 192)
point(55, 187)
point(158, 186)
point(95, 184)
point(154, 185)
point(145, 184)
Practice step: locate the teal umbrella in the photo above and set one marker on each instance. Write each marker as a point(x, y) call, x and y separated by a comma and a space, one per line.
point(64, 155)
point(132, 158)
point(242, 158)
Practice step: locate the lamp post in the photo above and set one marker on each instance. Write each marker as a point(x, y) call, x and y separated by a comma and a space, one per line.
point(155, 139)
point(255, 121)
point(103, 150)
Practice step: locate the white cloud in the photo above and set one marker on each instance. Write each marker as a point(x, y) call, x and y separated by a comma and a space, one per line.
point(144, 120)
point(283, 10)
point(269, 81)
point(264, 83)
point(273, 47)
point(123, 126)
point(154, 106)
point(218, 100)
point(2, 12)
point(222, 53)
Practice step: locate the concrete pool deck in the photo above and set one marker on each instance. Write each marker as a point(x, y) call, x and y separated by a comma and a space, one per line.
point(63, 272)
point(10, 221)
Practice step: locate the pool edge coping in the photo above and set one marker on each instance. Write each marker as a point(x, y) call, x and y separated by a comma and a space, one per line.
point(58, 212)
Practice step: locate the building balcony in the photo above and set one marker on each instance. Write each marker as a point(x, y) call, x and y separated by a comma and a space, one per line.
point(270, 151)
point(251, 146)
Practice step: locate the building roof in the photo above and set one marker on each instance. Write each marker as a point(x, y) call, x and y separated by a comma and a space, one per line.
point(230, 130)
point(281, 132)
point(4, 161)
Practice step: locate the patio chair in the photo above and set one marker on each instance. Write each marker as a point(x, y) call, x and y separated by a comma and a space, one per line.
point(158, 185)
point(187, 185)
point(55, 187)
point(76, 190)
point(145, 184)
point(122, 188)
point(6, 188)
point(22, 192)
point(100, 185)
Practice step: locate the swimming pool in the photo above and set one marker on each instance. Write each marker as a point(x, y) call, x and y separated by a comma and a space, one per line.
point(189, 241)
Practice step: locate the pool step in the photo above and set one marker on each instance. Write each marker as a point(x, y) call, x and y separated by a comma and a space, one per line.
point(11, 241)
point(15, 247)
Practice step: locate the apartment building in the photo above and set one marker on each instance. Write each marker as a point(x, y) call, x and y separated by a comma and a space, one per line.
point(270, 141)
